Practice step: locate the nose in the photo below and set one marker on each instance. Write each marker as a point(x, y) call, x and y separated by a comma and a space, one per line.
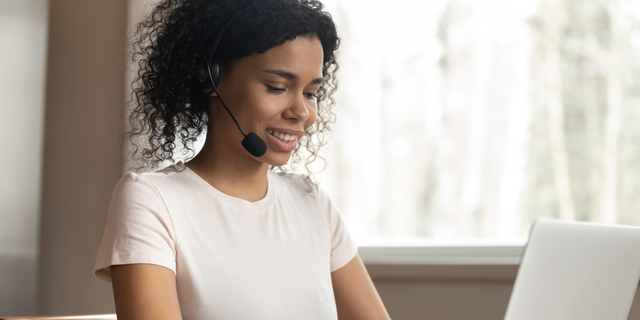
point(297, 109)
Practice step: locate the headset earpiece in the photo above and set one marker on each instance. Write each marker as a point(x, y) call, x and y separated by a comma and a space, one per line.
point(216, 72)
point(215, 69)
point(207, 90)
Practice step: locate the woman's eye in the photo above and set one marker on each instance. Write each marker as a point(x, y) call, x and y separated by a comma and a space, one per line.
point(311, 96)
point(273, 89)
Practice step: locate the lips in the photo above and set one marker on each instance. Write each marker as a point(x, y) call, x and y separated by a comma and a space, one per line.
point(282, 136)
point(282, 140)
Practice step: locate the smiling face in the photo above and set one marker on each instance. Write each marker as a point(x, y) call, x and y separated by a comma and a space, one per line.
point(271, 94)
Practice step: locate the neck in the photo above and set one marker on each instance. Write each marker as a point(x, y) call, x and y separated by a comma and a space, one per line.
point(240, 177)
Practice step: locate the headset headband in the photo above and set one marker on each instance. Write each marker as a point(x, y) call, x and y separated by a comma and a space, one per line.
point(214, 46)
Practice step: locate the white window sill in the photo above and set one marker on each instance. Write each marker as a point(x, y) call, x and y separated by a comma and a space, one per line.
point(443, 261)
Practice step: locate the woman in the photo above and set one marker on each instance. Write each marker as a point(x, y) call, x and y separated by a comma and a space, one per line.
point(224, 237)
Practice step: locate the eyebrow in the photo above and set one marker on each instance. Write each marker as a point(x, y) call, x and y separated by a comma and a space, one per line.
point(292, 76)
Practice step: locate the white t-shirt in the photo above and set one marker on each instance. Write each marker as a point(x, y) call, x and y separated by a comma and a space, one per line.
point(233, 259)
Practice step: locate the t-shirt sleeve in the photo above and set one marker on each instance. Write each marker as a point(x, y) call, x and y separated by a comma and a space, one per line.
point(343, 248)
point(139, 228)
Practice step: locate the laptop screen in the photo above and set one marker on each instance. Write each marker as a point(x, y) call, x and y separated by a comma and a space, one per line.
point(576, 270)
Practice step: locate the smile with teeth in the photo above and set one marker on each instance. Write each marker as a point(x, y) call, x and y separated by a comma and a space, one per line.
point(282, 136)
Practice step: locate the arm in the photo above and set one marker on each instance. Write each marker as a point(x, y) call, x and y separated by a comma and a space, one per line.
point(145, 291)
point(356, 297)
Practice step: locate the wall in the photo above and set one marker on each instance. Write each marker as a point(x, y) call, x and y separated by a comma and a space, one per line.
point(82, 157)
point(23, 31)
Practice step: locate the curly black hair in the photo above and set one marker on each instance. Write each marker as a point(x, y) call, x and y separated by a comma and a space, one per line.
point(169, 108)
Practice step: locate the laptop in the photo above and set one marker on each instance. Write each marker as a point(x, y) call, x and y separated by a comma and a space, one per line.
point(576, 270)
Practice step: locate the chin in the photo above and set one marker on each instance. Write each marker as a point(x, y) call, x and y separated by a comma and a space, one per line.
point(278, 160)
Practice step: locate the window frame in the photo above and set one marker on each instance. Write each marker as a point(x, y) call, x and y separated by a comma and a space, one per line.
point(498, 262)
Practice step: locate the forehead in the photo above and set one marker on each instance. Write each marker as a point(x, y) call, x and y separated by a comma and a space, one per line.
point(302, 56)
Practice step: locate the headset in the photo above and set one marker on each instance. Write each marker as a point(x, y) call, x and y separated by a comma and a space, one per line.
point(209, 75)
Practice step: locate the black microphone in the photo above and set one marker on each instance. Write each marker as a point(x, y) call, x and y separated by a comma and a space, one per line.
point(254, 144)
point(251, 142)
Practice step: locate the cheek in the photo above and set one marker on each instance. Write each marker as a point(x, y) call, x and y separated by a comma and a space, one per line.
point(313, 115)
point(258, 105)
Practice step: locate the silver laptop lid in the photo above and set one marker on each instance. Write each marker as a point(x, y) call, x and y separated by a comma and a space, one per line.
point(576, 270)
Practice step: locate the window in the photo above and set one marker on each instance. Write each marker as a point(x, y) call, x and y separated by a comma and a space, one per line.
point(469, 119)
